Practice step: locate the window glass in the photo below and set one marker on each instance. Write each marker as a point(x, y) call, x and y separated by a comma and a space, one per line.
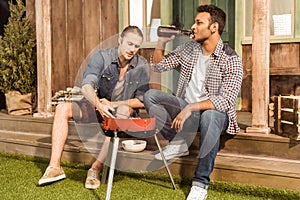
point(146, 15)
point(136, 13)
point(281, 18)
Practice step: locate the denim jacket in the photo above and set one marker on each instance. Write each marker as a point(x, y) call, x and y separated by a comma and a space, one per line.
point(103, 73)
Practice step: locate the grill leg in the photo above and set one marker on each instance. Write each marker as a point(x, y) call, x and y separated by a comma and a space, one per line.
point(165, 162)
point(105, 170)
point(112, 165)
point(106, 164)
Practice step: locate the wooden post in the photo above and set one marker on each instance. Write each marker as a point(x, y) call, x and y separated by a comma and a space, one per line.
point(260, 66)
point(44, 54)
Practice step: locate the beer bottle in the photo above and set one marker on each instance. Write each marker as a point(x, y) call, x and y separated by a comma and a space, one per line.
point(168, 31)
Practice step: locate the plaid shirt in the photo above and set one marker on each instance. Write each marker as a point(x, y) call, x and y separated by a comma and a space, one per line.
point(223, 79)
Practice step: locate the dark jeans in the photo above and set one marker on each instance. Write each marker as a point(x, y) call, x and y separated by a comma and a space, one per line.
point(210, 123)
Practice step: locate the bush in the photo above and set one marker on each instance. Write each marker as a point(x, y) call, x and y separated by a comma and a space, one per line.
point(18, 52)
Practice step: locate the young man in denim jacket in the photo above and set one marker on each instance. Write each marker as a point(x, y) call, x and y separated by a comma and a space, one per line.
point(121, 77)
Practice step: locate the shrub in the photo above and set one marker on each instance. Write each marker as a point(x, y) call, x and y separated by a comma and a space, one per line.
point(18, 52)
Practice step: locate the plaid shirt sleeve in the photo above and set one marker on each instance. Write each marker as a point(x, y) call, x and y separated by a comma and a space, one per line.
point(169, 61)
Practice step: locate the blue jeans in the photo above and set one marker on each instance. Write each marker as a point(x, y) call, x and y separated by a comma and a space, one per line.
point(211, 124)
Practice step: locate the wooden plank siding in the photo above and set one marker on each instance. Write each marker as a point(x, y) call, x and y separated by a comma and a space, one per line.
point(60, 46)
point(75, 38)
point(284, 59)
point(77, 27)
point(284, 71)
point(155, 77)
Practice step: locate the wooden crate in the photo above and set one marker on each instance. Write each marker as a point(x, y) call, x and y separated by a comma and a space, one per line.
point(287, 116)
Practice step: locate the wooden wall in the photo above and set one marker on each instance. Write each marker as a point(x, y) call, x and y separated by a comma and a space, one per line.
point(284, 71)
point(155, 77)
point(78, 26)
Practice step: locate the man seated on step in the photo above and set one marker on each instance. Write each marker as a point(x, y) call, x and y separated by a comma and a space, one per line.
point(208, 85)
point(121, 77)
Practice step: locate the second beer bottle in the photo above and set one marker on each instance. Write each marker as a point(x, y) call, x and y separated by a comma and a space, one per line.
point(168, 31)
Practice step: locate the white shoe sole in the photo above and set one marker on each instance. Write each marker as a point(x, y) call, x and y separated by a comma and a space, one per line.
point(194, 198)
point(50, 180)
point(169, 157)
point(91, 187)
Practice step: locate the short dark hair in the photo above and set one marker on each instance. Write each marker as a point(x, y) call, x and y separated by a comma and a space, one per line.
point(132, 29)
point(216, 15)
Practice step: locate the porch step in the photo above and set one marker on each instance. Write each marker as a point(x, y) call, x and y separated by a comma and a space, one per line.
point(266, 160)
point(247, 169)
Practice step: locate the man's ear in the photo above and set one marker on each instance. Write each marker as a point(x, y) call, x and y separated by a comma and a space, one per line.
point(214, 27)
point(120, 40)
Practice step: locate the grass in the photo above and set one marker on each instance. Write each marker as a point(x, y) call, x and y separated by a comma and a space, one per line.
point(19, 175)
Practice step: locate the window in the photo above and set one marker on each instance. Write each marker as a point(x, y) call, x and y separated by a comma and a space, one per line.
point(143, 13)
point(281, 19)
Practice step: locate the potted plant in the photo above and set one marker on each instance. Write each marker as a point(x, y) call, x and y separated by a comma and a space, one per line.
point(18, 61)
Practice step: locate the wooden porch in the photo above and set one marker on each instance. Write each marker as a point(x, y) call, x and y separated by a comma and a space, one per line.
point(249, 158)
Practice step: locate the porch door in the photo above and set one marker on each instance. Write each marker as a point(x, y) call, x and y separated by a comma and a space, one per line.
point(184, 13)
point(228, 6)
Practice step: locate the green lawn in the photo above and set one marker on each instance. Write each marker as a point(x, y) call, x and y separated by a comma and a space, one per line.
point(19, 176)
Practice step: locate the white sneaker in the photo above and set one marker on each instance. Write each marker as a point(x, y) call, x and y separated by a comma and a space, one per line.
point(197, 193)
point(173, 151)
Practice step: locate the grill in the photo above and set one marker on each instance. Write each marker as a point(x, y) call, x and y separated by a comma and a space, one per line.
point(135, 127)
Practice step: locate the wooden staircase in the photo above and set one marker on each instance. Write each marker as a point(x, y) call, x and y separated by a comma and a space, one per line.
point(266, 160)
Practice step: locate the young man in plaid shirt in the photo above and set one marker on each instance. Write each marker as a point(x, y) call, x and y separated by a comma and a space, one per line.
point(209, 82)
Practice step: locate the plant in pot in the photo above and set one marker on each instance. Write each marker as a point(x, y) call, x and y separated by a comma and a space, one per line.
point(18, 61)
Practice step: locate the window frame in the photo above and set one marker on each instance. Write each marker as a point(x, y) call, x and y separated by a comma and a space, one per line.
point(124, 19)
point(295, 29)
point(166, 8)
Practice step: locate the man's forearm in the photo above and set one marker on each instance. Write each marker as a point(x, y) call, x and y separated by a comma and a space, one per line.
point(204, 105)
point(89, 93)
point(158, 52)
point(133, 103)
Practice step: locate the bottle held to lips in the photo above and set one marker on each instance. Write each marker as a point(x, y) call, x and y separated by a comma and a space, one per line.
point(168, 31)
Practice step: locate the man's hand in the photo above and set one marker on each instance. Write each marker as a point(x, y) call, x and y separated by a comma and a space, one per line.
point(105, 102)
point(161, 42)
point(187, 111)
point(180, 118)
point(166, 39)
point(105, 108)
